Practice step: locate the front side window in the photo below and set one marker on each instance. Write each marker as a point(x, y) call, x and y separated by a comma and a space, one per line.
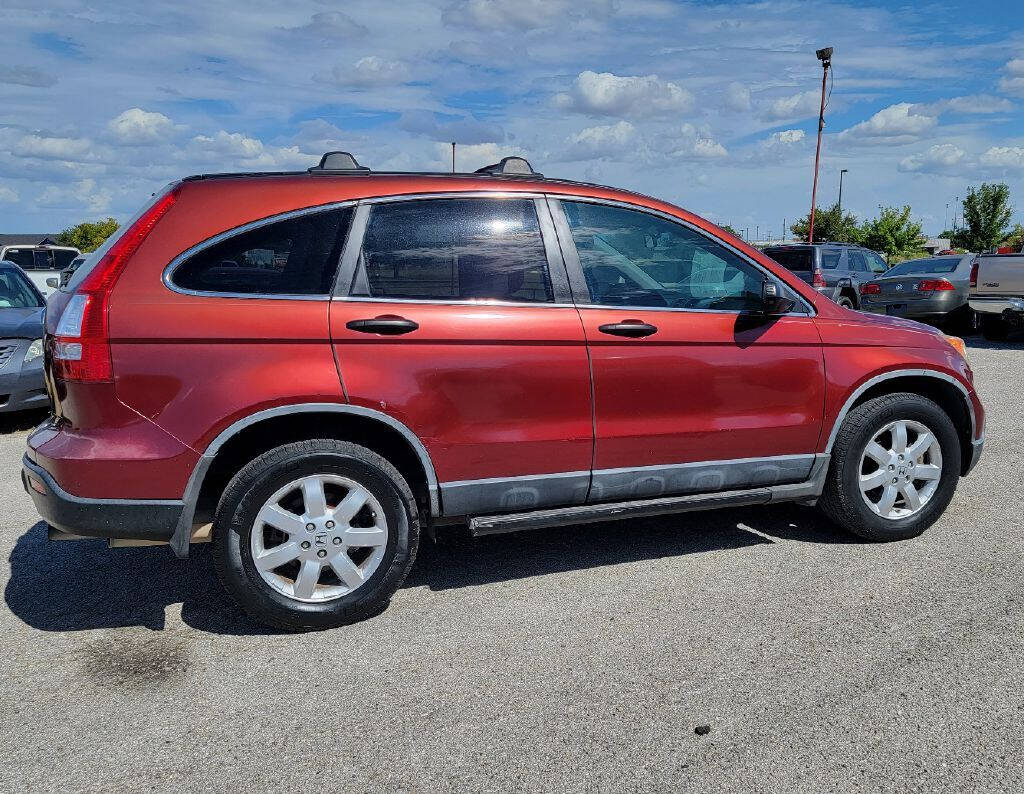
point(295, 256)
point(875, 262)
point(633, 258)
point(15, 292)
point(454, 249)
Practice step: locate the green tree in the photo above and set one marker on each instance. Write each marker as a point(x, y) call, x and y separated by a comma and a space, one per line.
point(829, 224)
point(1015, 238)
point(87, 236)
point(894, 234)
point(987, 214)
point(731, 230)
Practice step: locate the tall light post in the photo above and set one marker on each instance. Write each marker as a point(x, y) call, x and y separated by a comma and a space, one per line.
point(841, 172)
point(453, 157)
point(956, 201)
point(825, 56)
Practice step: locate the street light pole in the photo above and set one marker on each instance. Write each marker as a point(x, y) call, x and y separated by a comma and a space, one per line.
point(453, 157)
point(841, 172)
point(825, 56)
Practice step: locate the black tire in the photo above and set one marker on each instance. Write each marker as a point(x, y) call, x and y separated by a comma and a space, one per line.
point(842, 501)
point(994, 328)
point(251, 487)
point(846, 302)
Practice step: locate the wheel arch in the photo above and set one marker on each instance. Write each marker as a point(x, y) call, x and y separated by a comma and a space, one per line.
point(256, 433)
point(943, 389)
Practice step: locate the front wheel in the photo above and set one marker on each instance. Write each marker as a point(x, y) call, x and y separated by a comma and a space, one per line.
point(315, 534)
point(895, 466)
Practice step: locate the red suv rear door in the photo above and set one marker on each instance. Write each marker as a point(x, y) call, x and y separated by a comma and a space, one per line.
point(693, 390)
point(453, 315)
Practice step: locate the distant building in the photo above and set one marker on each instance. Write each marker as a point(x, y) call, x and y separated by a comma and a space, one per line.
point(935, 244)
point(28, 239)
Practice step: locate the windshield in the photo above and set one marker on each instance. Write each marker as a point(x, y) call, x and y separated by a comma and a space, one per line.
point(792, 258)
point(944, 264)
point(15, 291)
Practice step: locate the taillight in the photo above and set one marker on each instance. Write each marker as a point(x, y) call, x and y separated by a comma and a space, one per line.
point(80, 347)
point(870, 289)
point(974, 273)
point(818, 280)
point(935, 285)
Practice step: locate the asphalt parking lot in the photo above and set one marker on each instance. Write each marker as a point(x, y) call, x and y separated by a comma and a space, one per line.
point(553, 660)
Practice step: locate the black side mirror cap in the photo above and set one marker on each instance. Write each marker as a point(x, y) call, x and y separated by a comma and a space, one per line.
point(773, 302)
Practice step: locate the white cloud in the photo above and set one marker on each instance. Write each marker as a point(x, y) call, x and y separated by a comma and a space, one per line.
point(83, 194)
point(609, 141)
point(607, 94)
point(332, 25)
point(52, 147)
point(737, 97)
point(690, 143)
point(899, 123)
point(26, 75)
point(941, 157)
point(473, 156)
point(791, 108)
point(8, 195)
point(367, 72)
point(976, 103)
point(1013, 82)
point(138, 127)
point(1011, 157)
point(235, 149)
point(778, 146)
point(521, 15)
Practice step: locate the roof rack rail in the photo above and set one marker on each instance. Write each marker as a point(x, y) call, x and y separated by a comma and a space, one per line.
point(510, 166)
point(338, 163)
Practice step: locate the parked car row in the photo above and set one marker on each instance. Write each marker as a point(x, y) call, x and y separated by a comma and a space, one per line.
point(42, 264)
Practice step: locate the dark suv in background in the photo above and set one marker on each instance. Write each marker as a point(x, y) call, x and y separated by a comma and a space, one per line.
point(836, 270)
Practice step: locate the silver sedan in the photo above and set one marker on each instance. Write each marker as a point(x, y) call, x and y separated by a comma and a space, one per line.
point(934, 289)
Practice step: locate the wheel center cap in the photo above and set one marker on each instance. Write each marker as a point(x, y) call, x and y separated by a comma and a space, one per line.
point(902, 471)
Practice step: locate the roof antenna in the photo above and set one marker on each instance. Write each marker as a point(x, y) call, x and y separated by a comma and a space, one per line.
point(453, 157)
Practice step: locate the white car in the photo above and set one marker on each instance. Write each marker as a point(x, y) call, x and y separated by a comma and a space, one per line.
point(40, 262)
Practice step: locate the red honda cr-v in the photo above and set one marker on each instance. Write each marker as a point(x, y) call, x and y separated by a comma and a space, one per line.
point(306, 368)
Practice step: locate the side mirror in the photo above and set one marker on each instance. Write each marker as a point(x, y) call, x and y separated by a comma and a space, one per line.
point(52, 283)
point(773, 301)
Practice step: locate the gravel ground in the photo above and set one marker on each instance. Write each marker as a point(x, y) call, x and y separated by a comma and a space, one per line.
point(571, 659)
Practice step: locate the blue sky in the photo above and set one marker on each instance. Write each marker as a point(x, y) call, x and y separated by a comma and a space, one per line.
point(712, 106)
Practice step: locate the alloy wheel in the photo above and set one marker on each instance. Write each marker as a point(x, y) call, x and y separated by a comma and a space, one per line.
point(900, 469)
point(318, 538)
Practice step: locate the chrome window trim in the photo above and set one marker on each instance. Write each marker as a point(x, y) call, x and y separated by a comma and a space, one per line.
point(557, 197)
point(900, 373)
point(175, 263)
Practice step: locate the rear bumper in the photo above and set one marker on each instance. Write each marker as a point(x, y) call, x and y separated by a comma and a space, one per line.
point(138, 519)
point(998, 305)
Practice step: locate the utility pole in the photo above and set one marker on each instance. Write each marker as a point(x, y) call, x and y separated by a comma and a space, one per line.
point(945, 218)
point(841, 172)
point(453, 157)
point(784, 228)
point(825, 56)
point(757, 232)
point(955, 202)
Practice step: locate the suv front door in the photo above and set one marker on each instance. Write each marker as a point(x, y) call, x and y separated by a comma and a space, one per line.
point(693, 390)
point(453, 315)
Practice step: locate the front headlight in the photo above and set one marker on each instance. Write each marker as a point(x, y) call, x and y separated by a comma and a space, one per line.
point(35, 350)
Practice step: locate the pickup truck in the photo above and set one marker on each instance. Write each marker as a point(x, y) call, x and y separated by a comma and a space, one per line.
point(997, 293)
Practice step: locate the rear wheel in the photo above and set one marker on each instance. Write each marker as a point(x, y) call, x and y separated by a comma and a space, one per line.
point(895, 466)
point(315, 534)
point(994, 328)
point(846, 302)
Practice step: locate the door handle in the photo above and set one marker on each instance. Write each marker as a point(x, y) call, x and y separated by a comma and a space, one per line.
point(631, 328)
point(386, 324)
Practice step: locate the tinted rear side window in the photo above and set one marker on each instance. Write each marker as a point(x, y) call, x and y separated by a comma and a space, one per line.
point(296, 256)
point(22, 257)
point(454, 249)
point(796, 259)
point(61, 258)
point(830, 258)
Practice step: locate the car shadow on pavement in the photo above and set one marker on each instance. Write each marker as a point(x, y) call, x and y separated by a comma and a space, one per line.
point(20, 420)
point(460, 561)
point(84, 585)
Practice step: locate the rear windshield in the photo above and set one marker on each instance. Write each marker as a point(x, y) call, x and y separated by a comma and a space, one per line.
point(792, 258)
point(916, 266)
point(22, 257)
